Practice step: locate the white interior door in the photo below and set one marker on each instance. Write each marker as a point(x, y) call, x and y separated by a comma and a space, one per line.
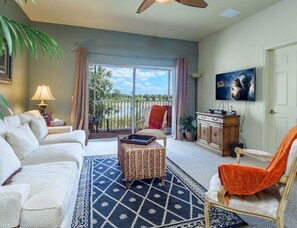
point(283, 93)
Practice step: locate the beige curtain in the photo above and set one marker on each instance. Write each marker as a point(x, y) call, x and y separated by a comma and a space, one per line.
point(181, 92)
point(80, 101)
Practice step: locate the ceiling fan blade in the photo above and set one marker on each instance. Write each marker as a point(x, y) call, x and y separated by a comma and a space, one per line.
point(194, 3)
point(144, 5)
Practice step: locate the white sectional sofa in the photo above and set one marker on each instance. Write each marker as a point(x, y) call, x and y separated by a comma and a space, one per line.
point(39, 171)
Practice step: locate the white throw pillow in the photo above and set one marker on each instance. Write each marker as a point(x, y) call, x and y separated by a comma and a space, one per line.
point(22, 140)
point(3, 128)
point(39, 128)
point(12, 122)
point(28, 116)
point(9, 163)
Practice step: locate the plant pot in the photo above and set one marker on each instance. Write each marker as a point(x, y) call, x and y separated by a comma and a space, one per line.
point(190, 136)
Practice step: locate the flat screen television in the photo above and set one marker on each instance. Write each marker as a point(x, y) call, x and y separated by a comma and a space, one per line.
point(237, 85)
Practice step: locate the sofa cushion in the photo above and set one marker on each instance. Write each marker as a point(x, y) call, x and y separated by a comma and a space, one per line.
point(51, 185)
point(22, 141)
point(77, 136)
point(39, 128)
point(13, 197)
point(28, 116)
point(55, 153)
point(9, 163)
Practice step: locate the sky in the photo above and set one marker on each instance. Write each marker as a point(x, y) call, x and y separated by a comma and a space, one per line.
point(148, 81)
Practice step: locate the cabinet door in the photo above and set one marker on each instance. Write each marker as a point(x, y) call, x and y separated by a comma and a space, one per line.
point(203, 132)
point(216, 136)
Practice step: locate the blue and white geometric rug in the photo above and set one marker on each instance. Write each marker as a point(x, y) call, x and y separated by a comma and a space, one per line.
point(103, 200)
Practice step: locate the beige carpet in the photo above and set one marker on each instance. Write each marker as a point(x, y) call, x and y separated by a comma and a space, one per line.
point(201, 164)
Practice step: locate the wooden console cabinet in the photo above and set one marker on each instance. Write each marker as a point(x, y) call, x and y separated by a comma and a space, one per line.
point(217, 132)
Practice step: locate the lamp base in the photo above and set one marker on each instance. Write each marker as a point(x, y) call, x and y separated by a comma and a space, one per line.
point(42, 108)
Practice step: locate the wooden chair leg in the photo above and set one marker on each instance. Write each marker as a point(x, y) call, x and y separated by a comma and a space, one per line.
point(206, 213)
point(280, 222)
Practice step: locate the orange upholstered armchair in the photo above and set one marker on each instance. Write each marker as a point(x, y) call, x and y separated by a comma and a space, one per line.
point(153, 122)
point(269, 203)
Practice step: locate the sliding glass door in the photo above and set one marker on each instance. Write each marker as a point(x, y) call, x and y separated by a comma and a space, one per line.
point(153, 87)
point(119, 94)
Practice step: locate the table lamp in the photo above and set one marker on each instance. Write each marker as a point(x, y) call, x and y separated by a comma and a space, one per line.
point(43, 93)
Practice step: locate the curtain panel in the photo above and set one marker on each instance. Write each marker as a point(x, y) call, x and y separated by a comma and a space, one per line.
point(181, 92)
point(80, 101)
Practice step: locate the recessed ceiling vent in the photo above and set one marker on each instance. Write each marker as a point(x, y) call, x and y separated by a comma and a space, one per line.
point(229, 13)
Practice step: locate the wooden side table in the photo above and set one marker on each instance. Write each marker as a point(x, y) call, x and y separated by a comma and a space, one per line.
point(217, 132)
point(142, 162)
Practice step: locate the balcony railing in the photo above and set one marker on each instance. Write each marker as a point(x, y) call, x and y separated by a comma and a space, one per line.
point(117, 114)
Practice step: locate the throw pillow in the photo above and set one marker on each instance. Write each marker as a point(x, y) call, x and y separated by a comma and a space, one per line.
point(9, 163)
point(12, 122)
point(3, 129)
point(39, 128)
point(22, 140)
point(28, 116)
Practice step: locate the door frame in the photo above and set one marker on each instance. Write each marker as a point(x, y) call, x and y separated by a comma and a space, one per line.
point(267, 70)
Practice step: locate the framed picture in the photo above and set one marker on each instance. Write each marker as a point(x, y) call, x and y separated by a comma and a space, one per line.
point(5, 65)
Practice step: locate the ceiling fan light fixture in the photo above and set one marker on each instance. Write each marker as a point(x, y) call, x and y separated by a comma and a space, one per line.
point(162, 1)
point(194, 3)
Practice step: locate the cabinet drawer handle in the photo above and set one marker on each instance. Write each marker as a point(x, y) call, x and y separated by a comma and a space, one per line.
point(215, 119)
point(215, 134)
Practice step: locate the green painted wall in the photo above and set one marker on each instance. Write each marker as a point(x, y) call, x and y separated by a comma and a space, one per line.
point(141, 50)
point(17, 92)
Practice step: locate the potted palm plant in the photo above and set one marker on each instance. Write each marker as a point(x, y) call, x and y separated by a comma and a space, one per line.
point(188, 125)
point(21, 36)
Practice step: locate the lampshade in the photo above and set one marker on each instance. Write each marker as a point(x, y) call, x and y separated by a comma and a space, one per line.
point(43, 93)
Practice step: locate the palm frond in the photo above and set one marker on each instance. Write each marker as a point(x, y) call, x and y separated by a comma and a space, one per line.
point(4, 103)
point(21, 1)
point(17, 34)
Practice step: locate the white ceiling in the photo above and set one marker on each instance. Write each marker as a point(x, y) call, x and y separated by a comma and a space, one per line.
point(171, 20)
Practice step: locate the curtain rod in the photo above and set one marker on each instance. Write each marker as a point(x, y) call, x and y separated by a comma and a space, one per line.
point(128, 56)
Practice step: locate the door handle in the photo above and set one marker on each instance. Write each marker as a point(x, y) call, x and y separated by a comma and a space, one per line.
point(272, 112)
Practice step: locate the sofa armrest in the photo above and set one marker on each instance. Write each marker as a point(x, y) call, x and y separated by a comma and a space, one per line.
point(60, 129)
point(12, 198)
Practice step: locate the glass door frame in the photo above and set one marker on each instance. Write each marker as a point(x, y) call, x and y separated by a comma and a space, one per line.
point(134, 68)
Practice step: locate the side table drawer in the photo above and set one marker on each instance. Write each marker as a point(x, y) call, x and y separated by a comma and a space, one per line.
point(210, 119)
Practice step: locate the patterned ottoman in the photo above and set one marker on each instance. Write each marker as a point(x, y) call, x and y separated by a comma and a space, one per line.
point(142, 161)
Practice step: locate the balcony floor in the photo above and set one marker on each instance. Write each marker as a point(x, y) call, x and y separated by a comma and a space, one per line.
point(103, 134)
point(108, 134)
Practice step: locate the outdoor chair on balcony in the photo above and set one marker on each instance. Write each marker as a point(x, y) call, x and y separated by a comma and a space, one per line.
point(153, 122)
point(270, 202)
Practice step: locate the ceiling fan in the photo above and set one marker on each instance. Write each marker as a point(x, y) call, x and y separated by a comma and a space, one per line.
point(194, 3)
